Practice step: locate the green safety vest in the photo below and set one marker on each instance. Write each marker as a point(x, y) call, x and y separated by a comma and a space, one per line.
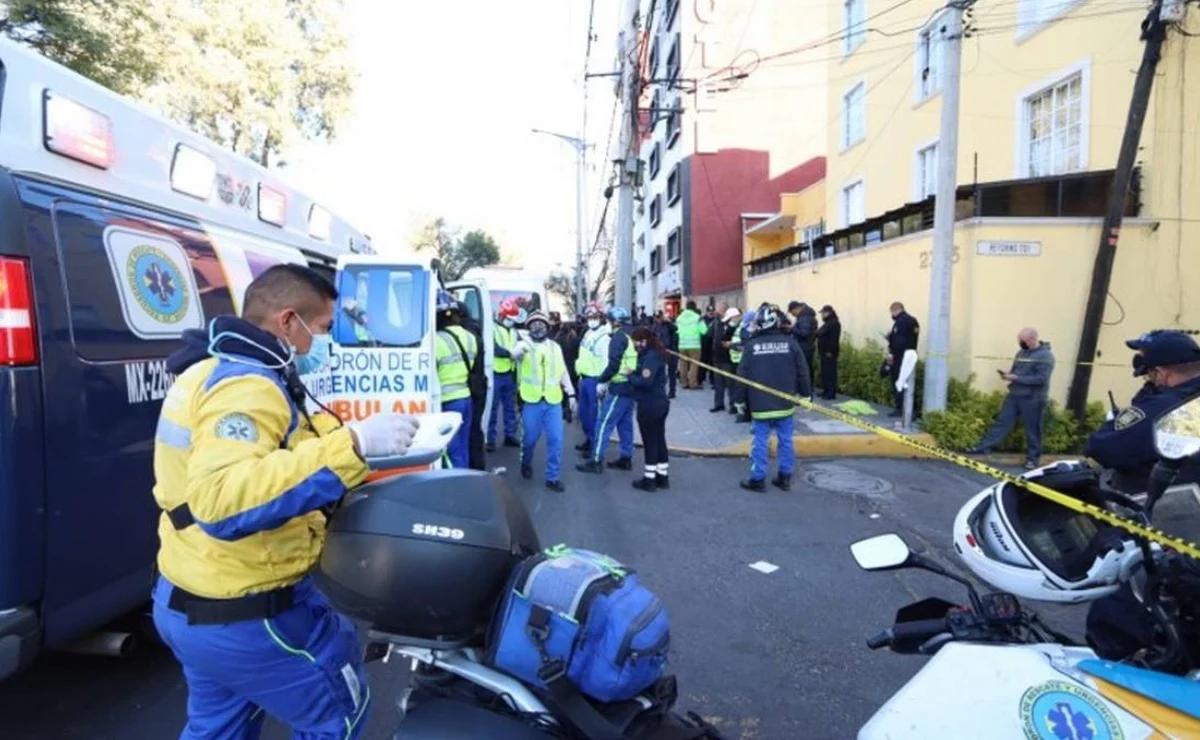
point(590, 363)
point(735, 347)
point(627, 366)
point(541, 372)
point(504, 339)
point(452, 368)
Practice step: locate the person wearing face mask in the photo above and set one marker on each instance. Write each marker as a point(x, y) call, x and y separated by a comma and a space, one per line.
point(722, 339)
point(616, 410)
point(1028, 388)
point(244, 476)
point(649, 384)
point(1170, 361)
point(736, 349)
point(455, 350)
point(504, 335)
point(668, 337)
point(589, 365)
point(543, 382)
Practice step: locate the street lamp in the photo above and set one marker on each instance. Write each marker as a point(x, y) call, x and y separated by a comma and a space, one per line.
point(581, 148)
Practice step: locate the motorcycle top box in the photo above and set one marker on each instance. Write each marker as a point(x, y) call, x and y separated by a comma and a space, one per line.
point(426, 555)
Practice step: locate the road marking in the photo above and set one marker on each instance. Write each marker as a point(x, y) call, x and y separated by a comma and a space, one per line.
point(764, 567)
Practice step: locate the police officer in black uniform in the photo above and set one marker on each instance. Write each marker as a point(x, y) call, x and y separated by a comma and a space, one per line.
point(478, 383)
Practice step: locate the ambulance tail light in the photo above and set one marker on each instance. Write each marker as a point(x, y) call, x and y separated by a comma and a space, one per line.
point(76, 131)
point(18, 335)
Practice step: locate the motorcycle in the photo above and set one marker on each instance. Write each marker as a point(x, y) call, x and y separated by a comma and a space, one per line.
point(997, 671)
point(423, 560)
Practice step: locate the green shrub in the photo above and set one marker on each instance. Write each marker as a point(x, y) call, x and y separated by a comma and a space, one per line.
point(969, 411)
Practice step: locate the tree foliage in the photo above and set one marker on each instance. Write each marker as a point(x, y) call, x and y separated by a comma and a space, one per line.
point(256, 77)
point(457, 254)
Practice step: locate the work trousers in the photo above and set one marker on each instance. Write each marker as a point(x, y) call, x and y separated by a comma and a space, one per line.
point(739, 392)
point(589, 405)
point(722, 385)
point(504, 398)
point(476, 455)
point(302, 666)
point(1032, 411)
point(784, 429)
point(536, 419)
point(616, 413)
point(690, 370)
point(829, 363)
point(652, 423)
point(459, 449)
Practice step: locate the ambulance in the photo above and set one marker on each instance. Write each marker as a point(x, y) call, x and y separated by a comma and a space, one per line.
point(120, 230)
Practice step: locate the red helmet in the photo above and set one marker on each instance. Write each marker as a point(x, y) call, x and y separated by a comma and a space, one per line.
point(508, 310)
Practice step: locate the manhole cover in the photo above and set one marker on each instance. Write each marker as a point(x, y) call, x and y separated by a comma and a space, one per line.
point(840, 479)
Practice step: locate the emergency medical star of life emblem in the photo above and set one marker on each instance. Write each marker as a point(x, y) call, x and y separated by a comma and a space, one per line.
point(1058, 710)
point(237, 427)
point(157, 284)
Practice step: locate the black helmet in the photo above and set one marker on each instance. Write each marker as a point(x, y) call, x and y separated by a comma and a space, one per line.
point(426, 555)
point(768, 317)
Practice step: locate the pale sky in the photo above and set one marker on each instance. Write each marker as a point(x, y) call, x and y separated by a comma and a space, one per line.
point(440, 123)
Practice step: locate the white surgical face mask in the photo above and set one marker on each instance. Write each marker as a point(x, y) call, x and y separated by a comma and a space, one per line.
point(593, 323)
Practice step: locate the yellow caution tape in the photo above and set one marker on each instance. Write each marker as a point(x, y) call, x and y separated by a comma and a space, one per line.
point(1141, 530)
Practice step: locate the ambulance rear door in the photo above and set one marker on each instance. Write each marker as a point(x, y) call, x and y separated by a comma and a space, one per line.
point(474, 294)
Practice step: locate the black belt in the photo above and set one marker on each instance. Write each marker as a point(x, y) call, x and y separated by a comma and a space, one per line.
point(181, 517)
point(204, 610)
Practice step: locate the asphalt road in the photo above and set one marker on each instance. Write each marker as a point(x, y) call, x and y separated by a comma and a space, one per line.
point(764, 656)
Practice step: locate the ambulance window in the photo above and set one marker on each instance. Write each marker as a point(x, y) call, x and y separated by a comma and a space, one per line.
point(393, 301)
point(526, 299)
point(470, 296)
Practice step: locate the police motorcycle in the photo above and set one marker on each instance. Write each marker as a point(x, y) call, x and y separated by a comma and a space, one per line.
point(997, 670)
point(426, 560)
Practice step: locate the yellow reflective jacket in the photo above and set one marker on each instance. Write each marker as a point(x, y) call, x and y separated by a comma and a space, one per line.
point(232, 445)
point(453, 368)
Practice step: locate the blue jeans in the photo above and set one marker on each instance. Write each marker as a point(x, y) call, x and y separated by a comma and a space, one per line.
point(504, 393)
point(589, 405)
point(784, 430)
point(302, 667)
point(537, 418)
point(615, 413)
point(459, 449)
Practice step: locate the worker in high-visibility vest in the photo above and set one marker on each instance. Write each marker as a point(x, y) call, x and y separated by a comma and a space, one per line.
point(617, 403)
point(544, 385)
point(504, 382)
point(593, 358)
point(454, 355)
point(736, 347)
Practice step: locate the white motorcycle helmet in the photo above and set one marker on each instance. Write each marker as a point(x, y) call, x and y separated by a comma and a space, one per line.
point(1034, 548)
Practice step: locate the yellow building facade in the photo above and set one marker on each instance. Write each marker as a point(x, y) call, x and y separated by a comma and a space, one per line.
point(1044, 97)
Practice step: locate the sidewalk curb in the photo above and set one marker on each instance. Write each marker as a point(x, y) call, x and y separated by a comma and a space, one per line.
point(824, 445)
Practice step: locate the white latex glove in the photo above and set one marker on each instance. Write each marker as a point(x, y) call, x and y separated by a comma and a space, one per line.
point(520, 349)
point(602, 390)
point(572, 404)
point(384, 435)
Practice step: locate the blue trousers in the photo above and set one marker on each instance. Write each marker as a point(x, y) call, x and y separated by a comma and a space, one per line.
point(589, 405)
point(784, 430)
point(459, 449)
point(537, 418)
point(302, 667)
point(504, 393)
point(616, 412)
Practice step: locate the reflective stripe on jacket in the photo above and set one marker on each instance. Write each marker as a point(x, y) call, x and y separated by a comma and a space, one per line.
point(541, 372)
point(232, 445)
point(452, 367)
point(593, 352)
point(505, 339)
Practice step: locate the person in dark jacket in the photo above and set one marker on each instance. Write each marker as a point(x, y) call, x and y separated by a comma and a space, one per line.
point(1028, 389)
point(773, 359)
point(804, 329)
point(903, 337)
point(829, 346)
point(649, 383)
point(736, 352)
point(711, 320)
point(616, 404)
point(476, 455)
point(668, 337)
point(721, 336)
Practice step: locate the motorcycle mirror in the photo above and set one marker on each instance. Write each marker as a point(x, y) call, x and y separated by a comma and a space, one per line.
point(1177, 433)
point(884, 552)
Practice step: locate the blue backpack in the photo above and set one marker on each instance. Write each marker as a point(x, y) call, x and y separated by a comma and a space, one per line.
point(583, 618)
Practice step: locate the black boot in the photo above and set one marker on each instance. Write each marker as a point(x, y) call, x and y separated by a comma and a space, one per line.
point(758, 486)
point(556, 486)
point(584, 446)
point(511, 442)
point(590, 466)
point(621, 463)
point(646, 484)
point(715, 409)
point(491, 447)
point(782, 482)
point(743, 419)
point(663, 481)
point(526, 471)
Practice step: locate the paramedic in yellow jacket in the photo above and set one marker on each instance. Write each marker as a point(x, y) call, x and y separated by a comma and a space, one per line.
point(544, 385)
point(455, 349)
point(243, 475)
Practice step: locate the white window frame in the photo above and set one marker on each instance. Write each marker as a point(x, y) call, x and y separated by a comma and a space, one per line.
point(843, 200)
point(854, 38)
point(846, 141)
point(930, 50)
point(919, 193)
point(1027, 21)
point(1084, 70)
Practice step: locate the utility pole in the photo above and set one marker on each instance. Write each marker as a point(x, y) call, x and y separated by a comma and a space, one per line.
point(581, 148)
point(1154, 32)
point(937, 361)
point(627, 162)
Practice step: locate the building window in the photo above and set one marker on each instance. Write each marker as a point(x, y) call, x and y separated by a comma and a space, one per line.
point(655, 109)
point(655, 160)
point(673, 247)
point(673, 186)
point(642, 275)
point(653, 71)
point(853, 203)
point(656, 261)
point(929, 60)
point(1033, 14)
point(854, 14)
point(673, 125)
point(854, 115)
point(673, 60)
point(642, 243)
point(1054, 127)
point(812, 233)
point(656, 210)
point(672, 11)
point(926, 172)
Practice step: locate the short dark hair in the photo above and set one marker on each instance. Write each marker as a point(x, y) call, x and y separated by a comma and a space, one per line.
point(691, 305)
point(286, 286)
